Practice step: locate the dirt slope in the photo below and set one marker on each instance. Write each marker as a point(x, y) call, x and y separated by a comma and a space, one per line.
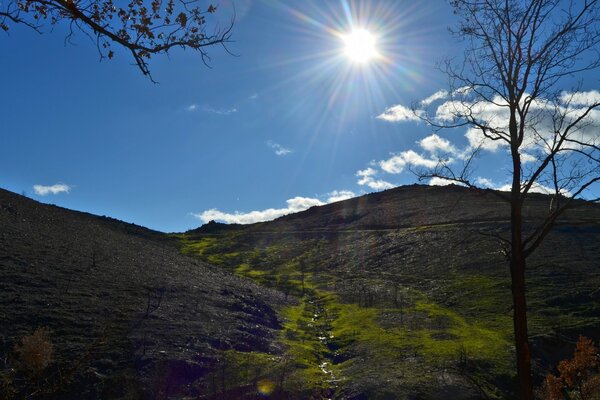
point(126, 294)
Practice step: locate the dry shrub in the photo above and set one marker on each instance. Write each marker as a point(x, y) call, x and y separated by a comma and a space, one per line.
point(35, 351)
point(578, 377)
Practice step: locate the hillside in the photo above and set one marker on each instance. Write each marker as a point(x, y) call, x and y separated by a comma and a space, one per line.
point(413, 291)
point(401, 294)
point(121, 301)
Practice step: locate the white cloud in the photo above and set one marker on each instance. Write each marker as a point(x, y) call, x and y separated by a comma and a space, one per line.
point(57, 188)
point(580, 98)
point(435, 144)
point(397, 163)
point(507, 187)
point(495, 116)
point(254, 96)
point(399, 113)
point(294, 205)
point(220, 111)
point(436, 181)
point(191, 107)
point(278, 149)
point(339, 195)
point(367, 179)
point(484, 182)
point(478, 141)
point(528, 158)
point(463, 91)
point(439, 95)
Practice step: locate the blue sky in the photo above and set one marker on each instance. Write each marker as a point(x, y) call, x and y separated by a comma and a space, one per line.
point(287, 122)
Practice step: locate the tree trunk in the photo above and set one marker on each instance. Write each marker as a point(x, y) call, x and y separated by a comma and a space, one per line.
point(517, 270)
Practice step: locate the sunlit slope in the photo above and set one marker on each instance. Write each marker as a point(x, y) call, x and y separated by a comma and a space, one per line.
point(406, 292)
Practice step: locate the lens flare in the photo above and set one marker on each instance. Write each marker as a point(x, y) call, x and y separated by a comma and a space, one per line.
point(265, 386)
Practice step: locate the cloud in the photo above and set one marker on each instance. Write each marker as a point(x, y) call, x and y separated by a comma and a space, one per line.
point(294, 205)
point(495, 115)
point(278, 149)
point(220, 111)
point(57, 188)
point(191, 107)
point(439, 95)
point(535, 188)
point(580, 98)
point(528, 158)
point(253, 96)
point(437, 181)
point(367, 179)
point(399, 113)
point(484, 182)
point(339, 195)
point(397, 163)
point(435, 144)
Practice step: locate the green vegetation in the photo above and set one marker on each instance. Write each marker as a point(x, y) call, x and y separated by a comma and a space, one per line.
point(390, 313)
point(325, 333)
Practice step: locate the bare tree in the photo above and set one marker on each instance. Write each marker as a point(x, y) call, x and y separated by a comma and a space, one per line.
point(142, 27)
point(510, 93)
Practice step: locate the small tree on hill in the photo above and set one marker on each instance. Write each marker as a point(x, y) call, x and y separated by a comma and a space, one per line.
point(509, 92)
point(142, 27)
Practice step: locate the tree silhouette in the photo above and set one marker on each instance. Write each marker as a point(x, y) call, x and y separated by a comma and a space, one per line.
point(143, 27)
point(509, 92)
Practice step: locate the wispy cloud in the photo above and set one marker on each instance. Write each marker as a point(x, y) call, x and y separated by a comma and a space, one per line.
point(339, 195)
point(191, 108)
point(439, 95)
point(294, 205)
point(278, 149)
point(43, 190)
point(398, 113)
point(220, 111)
point(253, 96)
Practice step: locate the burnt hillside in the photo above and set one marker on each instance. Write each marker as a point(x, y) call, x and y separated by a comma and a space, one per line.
point(124, 293)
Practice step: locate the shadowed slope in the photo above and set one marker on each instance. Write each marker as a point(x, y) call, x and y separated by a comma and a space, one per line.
point(152, 316)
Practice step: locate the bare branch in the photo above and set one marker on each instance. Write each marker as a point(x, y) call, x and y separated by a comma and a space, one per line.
point(142, 27)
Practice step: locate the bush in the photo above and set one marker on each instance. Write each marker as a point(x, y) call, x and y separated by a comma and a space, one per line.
point(578, 378)
point(35, 352)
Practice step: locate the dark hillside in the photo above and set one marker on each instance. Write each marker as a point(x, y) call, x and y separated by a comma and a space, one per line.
point(153, 320)
point(419, 205)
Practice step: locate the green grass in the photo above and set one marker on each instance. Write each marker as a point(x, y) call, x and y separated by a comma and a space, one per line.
point(431, 337)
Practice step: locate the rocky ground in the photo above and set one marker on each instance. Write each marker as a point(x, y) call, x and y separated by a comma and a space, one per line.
point(123, 300)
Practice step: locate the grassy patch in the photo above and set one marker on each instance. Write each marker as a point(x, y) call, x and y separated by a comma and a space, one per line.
point(324, 338)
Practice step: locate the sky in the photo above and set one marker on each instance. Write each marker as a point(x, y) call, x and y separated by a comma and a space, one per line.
point(283, 121)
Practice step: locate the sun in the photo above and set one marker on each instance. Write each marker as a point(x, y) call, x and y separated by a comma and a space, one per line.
point(360, 46)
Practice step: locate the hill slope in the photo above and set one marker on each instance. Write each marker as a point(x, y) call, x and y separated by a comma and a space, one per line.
point(402, 294)
point(123, 301)
point(411, 290)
